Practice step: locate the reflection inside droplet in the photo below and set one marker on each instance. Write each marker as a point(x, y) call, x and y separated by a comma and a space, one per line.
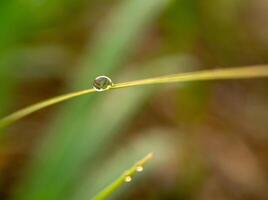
point(102, 83)
point(128, 179)
point(139, 169)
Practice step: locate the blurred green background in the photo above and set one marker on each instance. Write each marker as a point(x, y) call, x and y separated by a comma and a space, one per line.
point(210, 139)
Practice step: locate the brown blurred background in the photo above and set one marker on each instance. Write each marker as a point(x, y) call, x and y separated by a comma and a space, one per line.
point(210, 138)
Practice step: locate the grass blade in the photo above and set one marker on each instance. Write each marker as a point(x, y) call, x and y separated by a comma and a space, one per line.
point(105, 171)
point(217, 74)
point(118, 37)
point(125, 177)
point(38, 106)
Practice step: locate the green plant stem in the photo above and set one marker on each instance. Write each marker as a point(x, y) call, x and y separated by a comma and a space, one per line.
point(106, 192)
point(38, 106)
point(216, 74)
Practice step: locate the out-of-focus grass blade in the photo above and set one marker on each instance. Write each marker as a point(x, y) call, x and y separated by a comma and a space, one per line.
point(8, 20)
point(80, 130)
point(21, 19)
point(125, 177)
point(118, 37)
point(18, 20)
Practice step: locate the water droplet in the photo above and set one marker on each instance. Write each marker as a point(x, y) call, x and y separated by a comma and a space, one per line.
point(102, 83)
point(139, 168)
point(128, 179)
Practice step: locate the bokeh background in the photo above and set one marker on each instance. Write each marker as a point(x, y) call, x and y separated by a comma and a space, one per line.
point(209, 138)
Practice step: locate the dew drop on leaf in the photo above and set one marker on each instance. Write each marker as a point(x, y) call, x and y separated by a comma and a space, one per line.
point(139, 168)
point(102, 83)
point(128, 179)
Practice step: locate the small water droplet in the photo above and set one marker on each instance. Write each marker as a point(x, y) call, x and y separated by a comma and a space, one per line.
point(102, 83)
point(139, 168)
point(128, 179)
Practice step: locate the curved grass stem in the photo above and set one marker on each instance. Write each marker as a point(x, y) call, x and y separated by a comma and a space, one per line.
point(125, 177)
point(216, 74)
point(38, 106)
